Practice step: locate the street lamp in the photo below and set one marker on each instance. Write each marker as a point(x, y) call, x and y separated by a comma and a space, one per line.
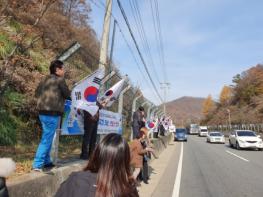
point(229, 118)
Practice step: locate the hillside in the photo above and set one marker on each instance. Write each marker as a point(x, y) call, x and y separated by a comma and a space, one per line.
point(185, 110)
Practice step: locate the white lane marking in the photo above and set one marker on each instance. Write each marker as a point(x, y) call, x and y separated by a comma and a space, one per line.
point(177, 182)
point(237, 156)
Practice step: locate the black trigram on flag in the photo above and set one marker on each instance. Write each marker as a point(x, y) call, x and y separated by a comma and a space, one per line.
point(97, 80)
point(78, 95)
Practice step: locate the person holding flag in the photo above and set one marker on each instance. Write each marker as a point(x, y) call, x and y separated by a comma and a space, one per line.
point(91, 106)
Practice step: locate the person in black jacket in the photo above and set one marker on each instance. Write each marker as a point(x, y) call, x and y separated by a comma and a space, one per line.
point(138, 121)
point(7, 166)
point(90, 132)
point(106, 175)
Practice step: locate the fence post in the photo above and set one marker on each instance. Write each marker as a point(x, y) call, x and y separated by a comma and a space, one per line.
point(120, 107)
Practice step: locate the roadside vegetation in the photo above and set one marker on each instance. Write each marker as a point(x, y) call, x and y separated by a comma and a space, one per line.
point(243, 99)
point(32, 34)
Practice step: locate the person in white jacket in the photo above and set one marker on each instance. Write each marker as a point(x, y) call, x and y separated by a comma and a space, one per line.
point(7, 166)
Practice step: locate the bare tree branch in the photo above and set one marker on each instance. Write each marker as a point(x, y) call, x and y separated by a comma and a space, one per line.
point(44, 10)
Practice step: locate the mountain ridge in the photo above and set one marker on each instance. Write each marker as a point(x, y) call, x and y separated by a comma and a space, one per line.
point(185, 110)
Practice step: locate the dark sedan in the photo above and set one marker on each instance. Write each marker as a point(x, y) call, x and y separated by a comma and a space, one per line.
point(180, 134)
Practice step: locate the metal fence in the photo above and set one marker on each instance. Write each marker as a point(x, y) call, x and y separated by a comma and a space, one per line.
point(227, 128)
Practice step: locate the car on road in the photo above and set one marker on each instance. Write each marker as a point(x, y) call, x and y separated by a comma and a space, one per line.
point(180, 134)
point(215, 137)
point(245, 139)
point(194, 128)
point(203, 131)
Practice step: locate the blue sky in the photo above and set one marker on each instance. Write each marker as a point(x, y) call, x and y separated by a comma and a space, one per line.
point(206, 43)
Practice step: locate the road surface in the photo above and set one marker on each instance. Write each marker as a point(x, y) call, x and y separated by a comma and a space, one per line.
point(210, 170)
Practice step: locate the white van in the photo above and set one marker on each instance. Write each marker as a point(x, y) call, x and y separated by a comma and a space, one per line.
point(203, 131)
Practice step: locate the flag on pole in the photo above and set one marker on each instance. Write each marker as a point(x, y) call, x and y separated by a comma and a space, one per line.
point(84, 94)
point(113, 93)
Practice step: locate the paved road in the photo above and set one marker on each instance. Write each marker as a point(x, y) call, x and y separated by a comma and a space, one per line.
point(216, 170)
point(212, 170)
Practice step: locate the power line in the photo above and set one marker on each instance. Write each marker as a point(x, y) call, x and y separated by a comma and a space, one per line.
point(140, 27)
point(146, 69)
point(158, 34)
point(161, 38)
point(134, 57)
point(137, 47)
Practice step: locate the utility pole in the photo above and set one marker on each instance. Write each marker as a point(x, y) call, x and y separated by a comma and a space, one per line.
point(105, 35)
point(111, 50)
point(229, 118)
point(105, 43)
point(165, 86)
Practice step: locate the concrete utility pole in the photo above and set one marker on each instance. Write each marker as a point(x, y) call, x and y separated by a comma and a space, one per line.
point(111, 50)
point(105, 35)
point(120, 107)
point(165, 86)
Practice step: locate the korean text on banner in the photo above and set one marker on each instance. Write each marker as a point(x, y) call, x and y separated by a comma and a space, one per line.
point(109, 122)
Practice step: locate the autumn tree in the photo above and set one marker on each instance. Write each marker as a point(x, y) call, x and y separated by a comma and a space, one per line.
point(225, 95)
point(248, 85)
point(208, 106)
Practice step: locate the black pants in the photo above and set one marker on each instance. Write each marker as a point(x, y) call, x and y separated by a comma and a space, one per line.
point(3, 188)
point(135, 131)
point(89, 138)
point(145, 171)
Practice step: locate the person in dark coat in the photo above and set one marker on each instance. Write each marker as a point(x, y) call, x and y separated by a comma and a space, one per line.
point(137, 121)
point(7, 166)
point(51, 94)
point(106, 175)
point(90, 132)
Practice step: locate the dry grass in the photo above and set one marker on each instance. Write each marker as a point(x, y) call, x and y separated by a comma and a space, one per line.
point(23, 155)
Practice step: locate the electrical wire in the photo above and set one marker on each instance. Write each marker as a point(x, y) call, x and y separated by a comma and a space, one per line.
point(138, 49)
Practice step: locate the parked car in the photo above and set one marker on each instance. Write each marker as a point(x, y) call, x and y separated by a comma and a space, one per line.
point(203, 131)
point(215, 137)
point(245, 139)
point(180, 134)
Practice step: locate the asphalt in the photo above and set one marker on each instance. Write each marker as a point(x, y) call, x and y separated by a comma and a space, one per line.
point(208, 170)
point(216, 170)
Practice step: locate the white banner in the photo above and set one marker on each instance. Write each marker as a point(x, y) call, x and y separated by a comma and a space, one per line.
point(110, 122)
point(73, 123)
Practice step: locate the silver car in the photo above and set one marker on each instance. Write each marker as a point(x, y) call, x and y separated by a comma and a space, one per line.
point(215, 137)
point(245, 139)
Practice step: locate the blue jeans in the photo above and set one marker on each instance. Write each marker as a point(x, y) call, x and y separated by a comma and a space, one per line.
point(49, 125)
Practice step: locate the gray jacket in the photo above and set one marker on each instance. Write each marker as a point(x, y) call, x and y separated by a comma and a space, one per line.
point(51, 94)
